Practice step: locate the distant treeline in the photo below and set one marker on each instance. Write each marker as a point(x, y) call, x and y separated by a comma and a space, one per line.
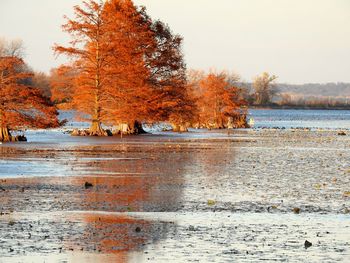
point(312, 95)
point(317, 89)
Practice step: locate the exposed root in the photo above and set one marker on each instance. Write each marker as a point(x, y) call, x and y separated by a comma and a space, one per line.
point(95, 130)
point(77, 132)
point(132, 128)
point(234, 122)
point(179, 128)
point(5, 136)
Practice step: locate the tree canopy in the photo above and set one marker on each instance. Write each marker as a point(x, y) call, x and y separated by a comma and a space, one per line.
point(129, 68)
point(21, 105)
point(218, 100)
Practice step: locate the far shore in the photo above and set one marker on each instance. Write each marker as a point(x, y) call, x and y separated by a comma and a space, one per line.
point(287, 107)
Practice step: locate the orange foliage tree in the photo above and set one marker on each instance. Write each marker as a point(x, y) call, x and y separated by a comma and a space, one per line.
point(168, 77)
point(90, 49)
point(62, 86)
point(21, 105)
point(131, 97)
point(218, 101)
point(130, 68)
point(41, 81)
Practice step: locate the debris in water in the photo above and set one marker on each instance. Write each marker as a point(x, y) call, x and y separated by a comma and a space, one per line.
point(296, 210)
point(211, 202)
point(346, 194)
point(307, 244)
point(88, 185)
point(191, 228)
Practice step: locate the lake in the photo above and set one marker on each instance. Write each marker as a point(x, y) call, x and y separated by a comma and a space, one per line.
point(241, 196)
point(276, 118)
point(314, 119)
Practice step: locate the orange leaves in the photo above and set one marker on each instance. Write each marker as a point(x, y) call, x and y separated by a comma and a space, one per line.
point(88, 49)
point(129, 68)
point(20, 104)
point(62, 85)
point(217, 98)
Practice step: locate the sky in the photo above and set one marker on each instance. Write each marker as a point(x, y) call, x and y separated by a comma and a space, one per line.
point(300, 41)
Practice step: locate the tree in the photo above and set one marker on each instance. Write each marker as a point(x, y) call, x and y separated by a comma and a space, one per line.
point(219, 101)
point(132, 96)
point(41, 81)
point(168, 77)
point(129, 68)
point(62, 86)
point(13, 48)
point(89, 48)
point(264, 88)
point(21, 105)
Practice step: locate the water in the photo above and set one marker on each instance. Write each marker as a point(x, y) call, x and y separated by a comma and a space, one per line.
point(314, 119)
point(268, 118)
point(202, 196)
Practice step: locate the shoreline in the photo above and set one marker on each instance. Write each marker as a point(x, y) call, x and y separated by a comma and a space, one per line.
point(297, 108)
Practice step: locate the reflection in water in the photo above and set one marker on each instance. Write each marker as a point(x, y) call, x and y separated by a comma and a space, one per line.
point(58, 215)
point(112, 234)
point(210, 175)
point(106, 179)
point(130, 179)
point(214, 160)
point(64, 235)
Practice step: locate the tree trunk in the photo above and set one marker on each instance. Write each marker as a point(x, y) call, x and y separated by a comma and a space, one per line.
point(5, 135)
point(132, 128)
point(179, 128)
point(230, 123)
point(239, 121)
point(96, 129)
point(220, 123)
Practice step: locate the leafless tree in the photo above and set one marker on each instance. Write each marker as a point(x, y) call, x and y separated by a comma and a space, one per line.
point(264, 88)
point(13, 48)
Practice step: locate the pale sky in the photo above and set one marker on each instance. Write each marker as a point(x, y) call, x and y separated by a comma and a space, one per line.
point(301, 41)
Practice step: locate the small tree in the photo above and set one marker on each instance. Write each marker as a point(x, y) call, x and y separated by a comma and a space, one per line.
point(264, 88)
point(12, 48)
point(21, 105)
point(218, 100)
